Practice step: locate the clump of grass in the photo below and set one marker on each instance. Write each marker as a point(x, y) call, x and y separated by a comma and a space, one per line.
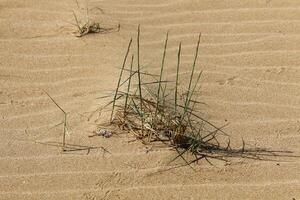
point(157, 110)
point(90, 27)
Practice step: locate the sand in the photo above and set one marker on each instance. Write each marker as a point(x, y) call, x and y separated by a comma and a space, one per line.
point(249, 55)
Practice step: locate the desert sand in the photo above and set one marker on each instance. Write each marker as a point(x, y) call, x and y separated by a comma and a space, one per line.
point(249, 54)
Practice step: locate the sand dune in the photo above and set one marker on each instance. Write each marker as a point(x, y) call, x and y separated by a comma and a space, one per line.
point(249, 54)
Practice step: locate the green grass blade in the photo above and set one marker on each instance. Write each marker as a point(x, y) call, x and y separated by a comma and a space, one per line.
point(177, 77)
point(192, 93)
point(191, 79)
point(129, 83)
point(119, 81)
point(164, 96)
point(161, 73)
point(139, 75)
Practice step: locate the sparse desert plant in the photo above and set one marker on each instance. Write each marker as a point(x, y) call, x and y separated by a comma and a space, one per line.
point(88, 26)
point(64, 122)
point(154, 109)
point(67, 147)
point(91, 27)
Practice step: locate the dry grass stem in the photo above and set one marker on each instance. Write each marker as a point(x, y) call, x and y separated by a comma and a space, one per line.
point(65, 129)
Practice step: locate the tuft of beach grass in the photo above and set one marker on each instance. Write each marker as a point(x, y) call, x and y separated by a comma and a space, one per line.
point(152, 115)
point(89, 26)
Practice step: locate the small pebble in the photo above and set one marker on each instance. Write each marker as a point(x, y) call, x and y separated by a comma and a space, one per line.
point(103, 132)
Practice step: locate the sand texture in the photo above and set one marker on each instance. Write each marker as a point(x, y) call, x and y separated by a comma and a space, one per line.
point(250, 57)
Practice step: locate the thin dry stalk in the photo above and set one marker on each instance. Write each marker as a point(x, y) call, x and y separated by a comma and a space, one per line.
point(90, 27)
point(64, 122)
